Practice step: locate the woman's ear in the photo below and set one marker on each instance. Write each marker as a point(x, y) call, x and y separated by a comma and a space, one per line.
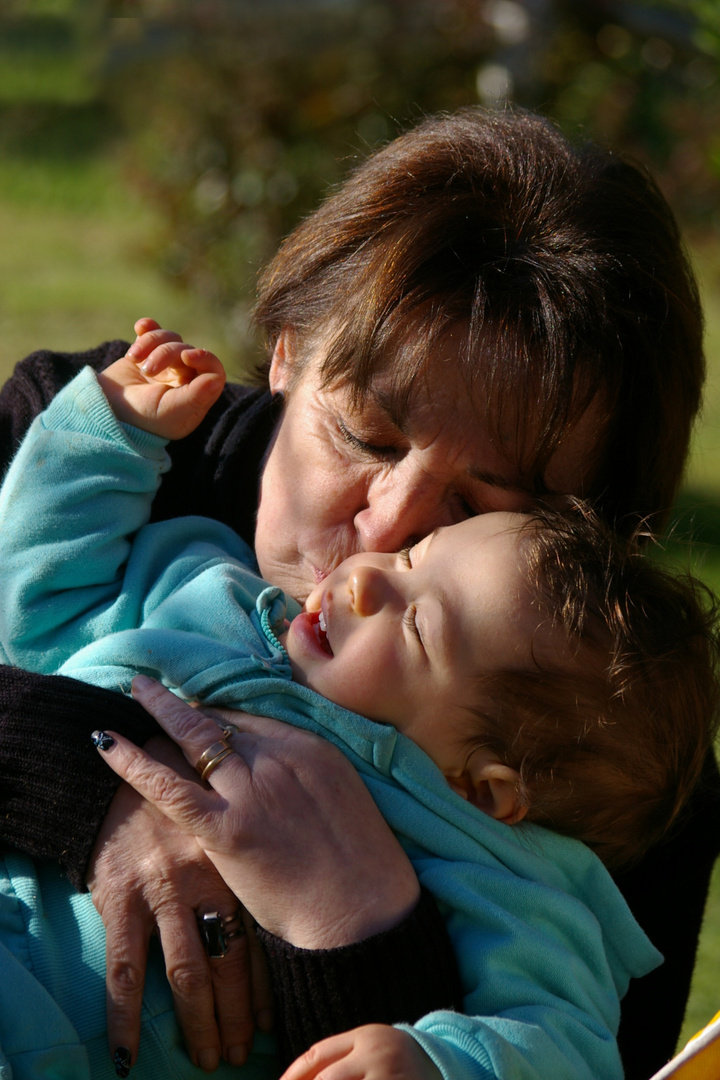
point(282, 364)
point(491, 786)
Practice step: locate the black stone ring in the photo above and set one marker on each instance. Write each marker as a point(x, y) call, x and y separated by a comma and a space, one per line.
point(216, 932)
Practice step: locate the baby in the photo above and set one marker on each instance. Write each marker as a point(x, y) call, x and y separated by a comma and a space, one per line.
point(530, 666)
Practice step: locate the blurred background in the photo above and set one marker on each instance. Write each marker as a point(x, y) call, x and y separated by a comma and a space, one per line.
point(153, 153)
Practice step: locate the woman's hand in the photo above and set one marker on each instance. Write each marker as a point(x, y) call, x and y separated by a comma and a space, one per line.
point(373, 1052)
point(147, 876)
point(288, 823)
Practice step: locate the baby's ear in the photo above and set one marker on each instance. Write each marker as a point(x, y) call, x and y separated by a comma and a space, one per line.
point(491, 786)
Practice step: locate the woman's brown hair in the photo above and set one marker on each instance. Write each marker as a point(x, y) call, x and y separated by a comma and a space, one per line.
point(559, 268)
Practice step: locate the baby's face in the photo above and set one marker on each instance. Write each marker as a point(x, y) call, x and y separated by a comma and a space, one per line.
point(401, 638)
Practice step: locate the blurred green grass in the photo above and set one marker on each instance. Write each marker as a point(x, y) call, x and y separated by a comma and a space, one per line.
point(74, 264)
point(75, 270)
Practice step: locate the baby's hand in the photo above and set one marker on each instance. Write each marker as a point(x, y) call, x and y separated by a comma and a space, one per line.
point(373, 1052)
point(163, 385)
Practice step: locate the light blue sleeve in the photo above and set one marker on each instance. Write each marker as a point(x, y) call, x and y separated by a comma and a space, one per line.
point(535, 1045)
point(79, 487)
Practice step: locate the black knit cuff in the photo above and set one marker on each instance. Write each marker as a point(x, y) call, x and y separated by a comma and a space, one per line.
point(56, 788)
point(393, 977)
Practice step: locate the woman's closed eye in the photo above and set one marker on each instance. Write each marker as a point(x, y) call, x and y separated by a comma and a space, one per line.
point(373, 449)
point(467, 509)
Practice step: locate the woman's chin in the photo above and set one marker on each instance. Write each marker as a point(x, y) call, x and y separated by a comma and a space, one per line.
point(295, 580)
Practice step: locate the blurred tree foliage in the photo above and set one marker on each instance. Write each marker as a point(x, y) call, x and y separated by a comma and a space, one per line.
point(234, 116)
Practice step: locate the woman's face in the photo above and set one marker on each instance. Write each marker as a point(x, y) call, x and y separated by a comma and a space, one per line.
point(339, 480)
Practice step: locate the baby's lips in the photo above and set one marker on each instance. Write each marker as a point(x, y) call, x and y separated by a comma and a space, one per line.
point(320, 632)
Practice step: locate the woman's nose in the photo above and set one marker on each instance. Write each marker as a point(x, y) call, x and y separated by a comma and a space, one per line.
point(398, 514)
point(369, 590)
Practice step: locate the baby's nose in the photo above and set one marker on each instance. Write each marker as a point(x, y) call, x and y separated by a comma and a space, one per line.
point(368, 590)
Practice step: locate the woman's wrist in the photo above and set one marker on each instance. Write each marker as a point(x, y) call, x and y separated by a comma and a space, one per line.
point(345, 917)
point(410, 967)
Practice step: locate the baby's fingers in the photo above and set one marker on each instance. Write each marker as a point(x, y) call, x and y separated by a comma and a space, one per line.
point(189, 398)
point(142, 326)
point(332, 1057)
point(202, 361)
point(168, 357)
point(150, 335)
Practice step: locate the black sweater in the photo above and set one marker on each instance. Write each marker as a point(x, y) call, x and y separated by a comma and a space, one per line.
point(399, 975)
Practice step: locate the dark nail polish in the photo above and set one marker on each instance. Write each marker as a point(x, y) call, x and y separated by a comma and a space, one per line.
point(121, 1057)
point(103, 741)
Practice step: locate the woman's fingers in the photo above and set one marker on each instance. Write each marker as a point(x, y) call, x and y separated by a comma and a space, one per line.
point(147, 876)
point(298, 837)
point(212, 997)
point(126, 951)
point(187, 804)
point(191, 729)
point(234, 1011)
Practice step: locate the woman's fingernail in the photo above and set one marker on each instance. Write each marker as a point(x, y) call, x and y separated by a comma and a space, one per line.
point(141, 682)
point(121, 1057)
point(237, 1055)
point(103, 741)
point(208, 1059)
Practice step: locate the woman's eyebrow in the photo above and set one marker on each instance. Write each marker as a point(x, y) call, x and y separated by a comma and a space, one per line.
point(387, 403)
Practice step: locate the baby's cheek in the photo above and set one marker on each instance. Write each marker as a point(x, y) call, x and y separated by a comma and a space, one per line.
point(374, 687)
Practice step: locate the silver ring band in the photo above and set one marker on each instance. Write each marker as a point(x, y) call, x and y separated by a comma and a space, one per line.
point(216, 932)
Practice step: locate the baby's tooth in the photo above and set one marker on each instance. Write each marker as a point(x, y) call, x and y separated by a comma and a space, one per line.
point(323, 624)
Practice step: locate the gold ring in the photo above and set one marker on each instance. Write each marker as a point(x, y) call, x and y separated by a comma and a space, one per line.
point(211, 758)
point(213, 764)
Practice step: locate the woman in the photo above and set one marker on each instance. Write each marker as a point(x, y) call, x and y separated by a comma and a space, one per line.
point(481, 315)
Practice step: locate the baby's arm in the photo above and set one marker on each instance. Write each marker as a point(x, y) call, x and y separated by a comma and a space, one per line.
point(163, 385)
point(80, 486)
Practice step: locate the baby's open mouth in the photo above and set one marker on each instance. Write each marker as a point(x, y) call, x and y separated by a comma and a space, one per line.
point(320, 628)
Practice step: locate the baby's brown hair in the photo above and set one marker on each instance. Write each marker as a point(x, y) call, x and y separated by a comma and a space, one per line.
point(609, 745)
